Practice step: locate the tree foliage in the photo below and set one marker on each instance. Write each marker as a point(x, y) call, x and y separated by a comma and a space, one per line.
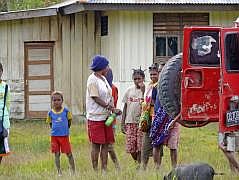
point(3, 5)
point(14, 5)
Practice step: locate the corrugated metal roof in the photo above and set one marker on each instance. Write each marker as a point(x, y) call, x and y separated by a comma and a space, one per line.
point(73, 6)
point(167, 1)
point(147, 2)
point(62, 4)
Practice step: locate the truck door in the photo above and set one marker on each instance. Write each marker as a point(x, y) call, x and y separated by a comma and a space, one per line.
point(229, 83)
point(200, 76)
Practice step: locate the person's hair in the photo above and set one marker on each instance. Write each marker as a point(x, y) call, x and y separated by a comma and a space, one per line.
point(109, 77)
point(1, 68)
point(138, 72)
point(154, 67)
point(57, 93)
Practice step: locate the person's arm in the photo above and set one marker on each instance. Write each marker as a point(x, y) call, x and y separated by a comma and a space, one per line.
point(142, 88)
point(94, 94)
point(69, 117)
point(154, 95)
point(8, 100)
point(123, 118)
point(102, 103)
point(115, 94)
point(48, 120)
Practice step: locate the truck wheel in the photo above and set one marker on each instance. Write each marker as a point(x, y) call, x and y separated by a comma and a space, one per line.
point(170, 85)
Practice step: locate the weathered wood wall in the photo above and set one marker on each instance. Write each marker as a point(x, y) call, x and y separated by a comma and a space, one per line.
point(128, 45)
point(74, 46)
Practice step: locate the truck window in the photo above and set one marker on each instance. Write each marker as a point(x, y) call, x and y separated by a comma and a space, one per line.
point(204, 48)
point(232, 52)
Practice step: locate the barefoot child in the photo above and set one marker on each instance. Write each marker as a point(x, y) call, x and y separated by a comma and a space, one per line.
point(131, 115)
point(60, 119)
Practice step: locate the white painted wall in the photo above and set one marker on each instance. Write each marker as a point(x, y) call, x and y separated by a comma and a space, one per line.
point(128, 45)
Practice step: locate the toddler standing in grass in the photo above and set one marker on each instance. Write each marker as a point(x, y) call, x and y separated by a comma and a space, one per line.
point(60, 119)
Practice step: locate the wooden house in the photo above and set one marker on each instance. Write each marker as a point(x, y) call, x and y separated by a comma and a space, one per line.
point(51, 48)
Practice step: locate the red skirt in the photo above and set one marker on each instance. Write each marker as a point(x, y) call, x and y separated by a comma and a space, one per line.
point(99, 133)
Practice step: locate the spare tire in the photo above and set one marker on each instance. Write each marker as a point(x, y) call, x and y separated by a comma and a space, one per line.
point(169, 87)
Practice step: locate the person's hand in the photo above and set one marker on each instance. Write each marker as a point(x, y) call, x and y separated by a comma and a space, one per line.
point(123, 128)
point(175, 120)
point(117, 111)
point(222, 147)
point(110, 107)
point(142, 87)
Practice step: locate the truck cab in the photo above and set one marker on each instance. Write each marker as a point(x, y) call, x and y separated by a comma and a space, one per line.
point(201, 85)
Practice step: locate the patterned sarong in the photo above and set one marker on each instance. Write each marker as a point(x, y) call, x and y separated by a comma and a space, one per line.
point(160, 127)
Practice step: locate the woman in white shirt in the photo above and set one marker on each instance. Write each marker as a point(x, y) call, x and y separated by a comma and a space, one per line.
point(99, 105)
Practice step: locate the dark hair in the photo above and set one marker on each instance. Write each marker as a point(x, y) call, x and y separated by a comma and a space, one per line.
point(154, 67)
point(109, 77)
point(138, 72)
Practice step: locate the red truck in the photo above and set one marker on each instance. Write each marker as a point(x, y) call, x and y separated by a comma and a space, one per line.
point(202, 83)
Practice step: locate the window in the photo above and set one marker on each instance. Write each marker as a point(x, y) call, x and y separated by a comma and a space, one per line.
point(166, 46)
point(232, 51)
point(168, 32)
point(104, 25)
point(204, 48)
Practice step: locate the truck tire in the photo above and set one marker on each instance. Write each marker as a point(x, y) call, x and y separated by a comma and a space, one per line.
point(169, 87)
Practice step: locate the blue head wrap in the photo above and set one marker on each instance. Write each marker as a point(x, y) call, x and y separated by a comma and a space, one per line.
point(98, 63)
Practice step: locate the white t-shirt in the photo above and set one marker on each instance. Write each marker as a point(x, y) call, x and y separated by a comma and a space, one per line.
point(133, 98)
point(97, 87)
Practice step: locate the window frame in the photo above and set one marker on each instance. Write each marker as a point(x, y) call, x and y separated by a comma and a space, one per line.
point(167, 36)
point(227, 53)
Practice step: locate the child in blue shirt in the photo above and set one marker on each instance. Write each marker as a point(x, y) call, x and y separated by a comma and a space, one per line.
point(60, 119)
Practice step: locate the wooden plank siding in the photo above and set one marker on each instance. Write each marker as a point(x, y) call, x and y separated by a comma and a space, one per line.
point(76, 37)
point(70, 34)
point(129, 43)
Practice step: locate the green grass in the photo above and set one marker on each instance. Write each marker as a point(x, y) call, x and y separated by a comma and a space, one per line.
point(31, 157)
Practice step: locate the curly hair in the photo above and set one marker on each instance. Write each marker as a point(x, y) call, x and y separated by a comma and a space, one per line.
point(154, 67)
point(138, 72)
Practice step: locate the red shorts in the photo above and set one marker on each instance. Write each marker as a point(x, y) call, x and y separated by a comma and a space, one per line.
point(60, 144)
point(99, 133)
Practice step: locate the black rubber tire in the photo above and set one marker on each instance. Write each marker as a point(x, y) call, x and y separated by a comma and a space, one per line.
point(169, 87)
